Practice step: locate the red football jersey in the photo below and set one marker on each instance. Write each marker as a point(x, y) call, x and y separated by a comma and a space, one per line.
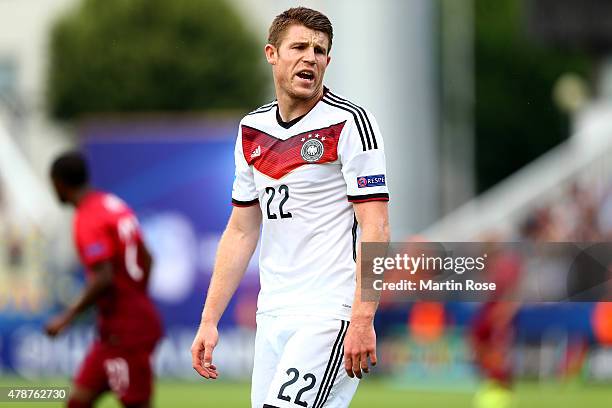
point(106, 229)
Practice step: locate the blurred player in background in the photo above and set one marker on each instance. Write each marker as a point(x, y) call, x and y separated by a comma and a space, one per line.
point(492, 331)
point(492, 338)
point(310, 166)
point(117, 263)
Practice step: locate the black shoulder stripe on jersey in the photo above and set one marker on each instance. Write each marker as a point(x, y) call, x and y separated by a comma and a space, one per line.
point(268, 109)
point(239, 203)
point(354, 231)
point(267, 105)
point(265, 108)
point(365, 115)
point(335, 368)
point(356, 116)
point(269, 406)
point(359, 114)
point(332, 103)
point(332, 358)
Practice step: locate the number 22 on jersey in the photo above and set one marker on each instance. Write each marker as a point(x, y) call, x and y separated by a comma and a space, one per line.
point(283, 191)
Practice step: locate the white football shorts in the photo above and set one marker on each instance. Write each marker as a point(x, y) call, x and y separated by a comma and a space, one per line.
point(299, 362)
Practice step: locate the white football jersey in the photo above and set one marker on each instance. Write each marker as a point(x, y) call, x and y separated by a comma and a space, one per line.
point(305, 175)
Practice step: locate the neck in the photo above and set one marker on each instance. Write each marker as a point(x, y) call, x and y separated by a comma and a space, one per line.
point(291, 108)
point(78, 195)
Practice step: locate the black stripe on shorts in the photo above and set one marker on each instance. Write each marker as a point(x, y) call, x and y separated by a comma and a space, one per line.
point(339, 361)
point(336, 354)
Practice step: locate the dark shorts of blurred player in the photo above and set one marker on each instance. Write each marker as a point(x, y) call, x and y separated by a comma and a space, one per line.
point(127, 372)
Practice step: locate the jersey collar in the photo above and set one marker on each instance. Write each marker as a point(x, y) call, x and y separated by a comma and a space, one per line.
point(289, 124)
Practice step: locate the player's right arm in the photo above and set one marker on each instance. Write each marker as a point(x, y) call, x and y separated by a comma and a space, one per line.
point(233, 255)
point(97, 286)
point(96, 250)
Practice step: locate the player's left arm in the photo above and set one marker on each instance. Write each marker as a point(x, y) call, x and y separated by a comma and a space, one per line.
point(101, 282)
point(360, 341)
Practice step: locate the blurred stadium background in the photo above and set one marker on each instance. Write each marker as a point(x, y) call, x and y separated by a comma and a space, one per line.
point(498, 120)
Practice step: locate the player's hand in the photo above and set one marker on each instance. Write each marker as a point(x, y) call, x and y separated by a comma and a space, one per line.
point(359, 345)
point(57, 324)
point(201, 351)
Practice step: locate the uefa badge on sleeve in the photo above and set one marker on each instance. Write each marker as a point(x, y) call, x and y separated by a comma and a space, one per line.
point(371, 181)
point(312, 149)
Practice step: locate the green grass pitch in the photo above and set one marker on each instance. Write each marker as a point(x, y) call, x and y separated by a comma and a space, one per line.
point(371, 393)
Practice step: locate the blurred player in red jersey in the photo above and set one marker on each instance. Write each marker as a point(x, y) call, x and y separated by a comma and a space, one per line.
point(492, 331)
point(117, 264)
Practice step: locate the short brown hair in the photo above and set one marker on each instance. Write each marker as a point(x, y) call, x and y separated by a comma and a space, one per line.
point(309, 18)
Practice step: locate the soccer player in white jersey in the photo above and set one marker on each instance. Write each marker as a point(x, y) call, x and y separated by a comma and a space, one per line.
point(310, 167)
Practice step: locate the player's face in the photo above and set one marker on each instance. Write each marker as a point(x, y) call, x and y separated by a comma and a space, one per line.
point(299, 62)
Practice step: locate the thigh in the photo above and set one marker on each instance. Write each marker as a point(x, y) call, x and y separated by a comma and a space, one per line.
point(265, 361)
point(130, 375)
point(90, 380)
point(309, 373)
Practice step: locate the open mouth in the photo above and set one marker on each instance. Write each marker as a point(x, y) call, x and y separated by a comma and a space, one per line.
point(306, 75)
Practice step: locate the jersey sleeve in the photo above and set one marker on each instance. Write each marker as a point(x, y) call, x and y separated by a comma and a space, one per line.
point(95, 242)
point(244, 192)
point(362, 155)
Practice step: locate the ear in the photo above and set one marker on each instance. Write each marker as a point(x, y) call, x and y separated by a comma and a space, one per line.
point(271, 54)
point(328, 60)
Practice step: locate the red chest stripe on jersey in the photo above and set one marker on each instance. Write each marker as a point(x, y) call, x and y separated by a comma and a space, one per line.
point(276, 158)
